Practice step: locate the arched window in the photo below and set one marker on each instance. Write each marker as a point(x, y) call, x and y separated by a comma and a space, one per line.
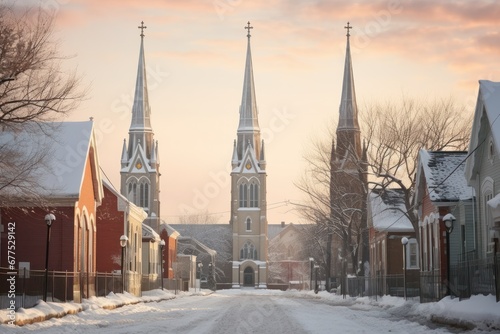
point(254, 195)
point(132, 191)
point(144, 195)
point(243, 195)
point(249, 224)
point(248, 251)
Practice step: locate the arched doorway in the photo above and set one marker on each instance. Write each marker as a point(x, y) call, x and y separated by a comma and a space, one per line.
point(248, 277)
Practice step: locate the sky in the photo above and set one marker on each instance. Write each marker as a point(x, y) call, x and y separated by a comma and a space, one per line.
point(195, 54)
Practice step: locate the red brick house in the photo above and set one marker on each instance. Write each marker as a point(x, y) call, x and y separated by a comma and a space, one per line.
point(118, 216)
point(66, 182)
point(169, 235)
point(387, 225)
point(441, 188)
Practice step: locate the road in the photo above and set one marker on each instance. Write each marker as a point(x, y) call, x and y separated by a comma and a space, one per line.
point(233, 312)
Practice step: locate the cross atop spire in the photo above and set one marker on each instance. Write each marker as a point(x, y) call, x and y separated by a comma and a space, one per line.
point(348, 27)
point(142, 27)
point(248, 27)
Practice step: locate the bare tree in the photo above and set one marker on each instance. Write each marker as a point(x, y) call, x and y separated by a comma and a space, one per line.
point(33, 85)
point(335, 198)
point(395, 133)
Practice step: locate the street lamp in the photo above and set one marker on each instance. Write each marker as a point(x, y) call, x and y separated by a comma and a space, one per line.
point(316, 287)
point(162, 245)
point(404, 241)
point(448, 220)
point(123, 243)
point(49, 218)
point(200, 265)
point(311, 260)
point(211, 275)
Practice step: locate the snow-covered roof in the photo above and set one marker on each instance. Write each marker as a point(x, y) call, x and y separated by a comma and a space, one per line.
point(196, 243)
point(444, 183)
point(66, 147)
point(490, 94)
point(387, 210)
point(171, 232)
point(215, 236)
point(488, 102)
point(149, 233)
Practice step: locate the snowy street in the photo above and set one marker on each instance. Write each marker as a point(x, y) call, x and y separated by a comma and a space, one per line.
point(246, 311)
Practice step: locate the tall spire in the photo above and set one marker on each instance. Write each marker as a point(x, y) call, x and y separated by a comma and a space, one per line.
point(248, 129)
point(348, 126)
point(140, 127)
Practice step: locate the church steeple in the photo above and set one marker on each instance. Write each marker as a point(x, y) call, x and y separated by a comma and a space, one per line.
point(348, 133)
point(141, 132)
point(248, 128)
point(248, 190)
point(140, 163)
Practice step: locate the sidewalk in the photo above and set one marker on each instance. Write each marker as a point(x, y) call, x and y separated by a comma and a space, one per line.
point(47, 310)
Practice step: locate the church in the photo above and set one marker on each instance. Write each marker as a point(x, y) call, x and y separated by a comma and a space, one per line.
point(347, 243)
point(248, 190)
point(242, 260)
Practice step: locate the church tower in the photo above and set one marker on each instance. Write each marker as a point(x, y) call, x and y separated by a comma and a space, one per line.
point(248, 190)
point(348, 183)
point(140, 174)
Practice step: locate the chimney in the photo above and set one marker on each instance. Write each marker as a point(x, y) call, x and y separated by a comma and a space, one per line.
point(282, 224)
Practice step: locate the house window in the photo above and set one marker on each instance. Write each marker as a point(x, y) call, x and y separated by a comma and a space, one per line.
point(486, 221)
point(249, 224)
point(412, 254)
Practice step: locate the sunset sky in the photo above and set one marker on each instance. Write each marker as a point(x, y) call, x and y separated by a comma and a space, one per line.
point(195, 54)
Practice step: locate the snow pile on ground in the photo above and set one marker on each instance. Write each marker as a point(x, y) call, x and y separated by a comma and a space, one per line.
point(44, 311)
point(482, 312)
point(41, 312)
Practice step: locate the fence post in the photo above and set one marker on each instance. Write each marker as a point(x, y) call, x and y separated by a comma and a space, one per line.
point(66, 285)
point(24, 285)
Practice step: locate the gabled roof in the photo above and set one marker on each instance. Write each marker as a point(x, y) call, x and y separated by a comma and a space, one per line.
point(149, 234)
point(387, 209)
point(184, 243)
point(66, 146)
point(171, 232)
point(215, 236)
point(444, 183)
point(488, 103)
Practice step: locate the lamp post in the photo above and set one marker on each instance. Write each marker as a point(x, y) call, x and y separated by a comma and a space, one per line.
point(316, 287)
point(448, 220)
point(162, 245)
point(49, 218)
point(211, 275)
point(123, 243)
point(404, 241)
point(200, 265)
point(311, 260)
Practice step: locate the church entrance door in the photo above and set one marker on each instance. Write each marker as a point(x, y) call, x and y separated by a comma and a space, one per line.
point(248, 277)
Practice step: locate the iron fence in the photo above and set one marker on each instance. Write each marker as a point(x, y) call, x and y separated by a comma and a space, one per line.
point(26, 287)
